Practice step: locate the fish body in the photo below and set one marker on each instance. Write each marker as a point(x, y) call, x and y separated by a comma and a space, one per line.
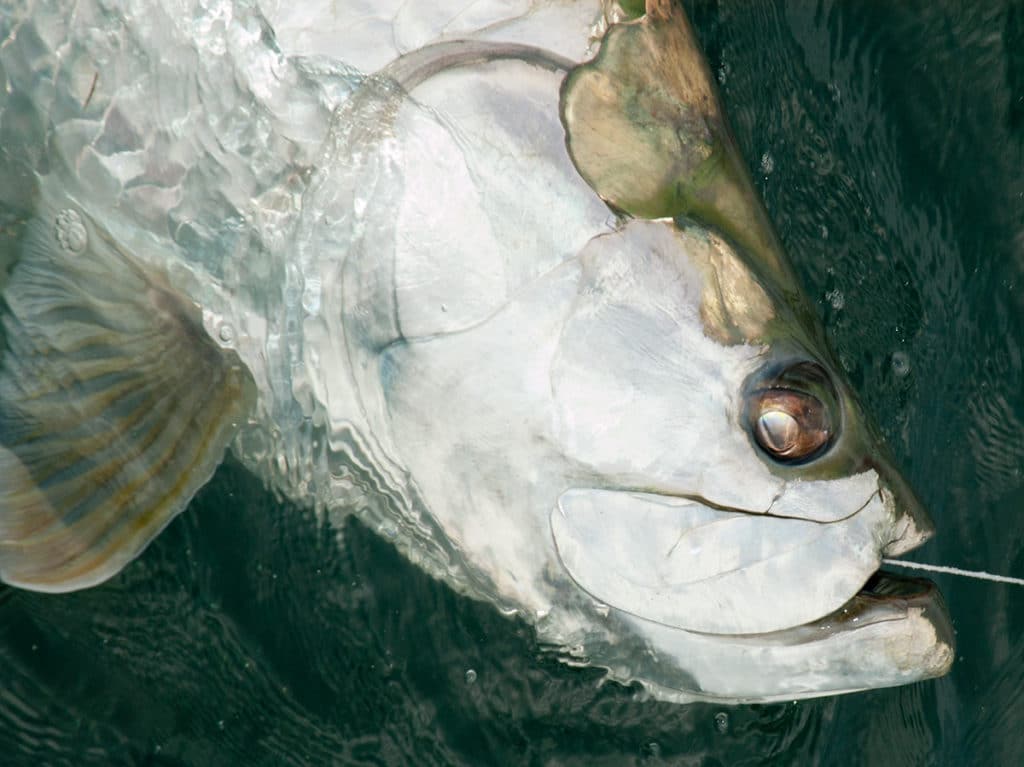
point(495, 279)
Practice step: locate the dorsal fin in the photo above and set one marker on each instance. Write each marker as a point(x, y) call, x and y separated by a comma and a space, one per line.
point(645, 127)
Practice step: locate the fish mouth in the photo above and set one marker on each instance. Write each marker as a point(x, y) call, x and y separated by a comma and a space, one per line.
point(886, 586)
point(895, 630)
point(885, 597)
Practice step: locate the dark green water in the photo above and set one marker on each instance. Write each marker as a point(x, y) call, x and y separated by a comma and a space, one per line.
point(245, 636)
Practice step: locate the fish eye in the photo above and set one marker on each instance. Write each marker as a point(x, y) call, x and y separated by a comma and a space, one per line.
point(789, 423)
point(790, 426)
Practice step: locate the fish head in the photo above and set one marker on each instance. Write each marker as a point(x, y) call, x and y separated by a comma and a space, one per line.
point(732, 498)
point(720, 473)
point(613, 401)
point(755, 484)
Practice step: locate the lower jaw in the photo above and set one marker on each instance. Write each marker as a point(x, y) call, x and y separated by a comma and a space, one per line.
point(885, 597)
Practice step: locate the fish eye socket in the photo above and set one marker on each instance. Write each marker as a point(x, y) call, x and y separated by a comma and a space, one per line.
point(790, 426)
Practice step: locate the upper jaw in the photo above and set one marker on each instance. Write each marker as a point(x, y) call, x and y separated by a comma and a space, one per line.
point(697, 567)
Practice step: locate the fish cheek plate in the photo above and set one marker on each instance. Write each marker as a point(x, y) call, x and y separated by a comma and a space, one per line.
point(677, 562)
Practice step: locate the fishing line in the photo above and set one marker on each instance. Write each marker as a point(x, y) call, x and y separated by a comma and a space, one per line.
point(982, 576)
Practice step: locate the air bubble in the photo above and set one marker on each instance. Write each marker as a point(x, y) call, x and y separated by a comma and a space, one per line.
point(721, 723)
point(311, 296)
point(470, 676)
point(71, 233)
point(226, 333)
point(900, 364)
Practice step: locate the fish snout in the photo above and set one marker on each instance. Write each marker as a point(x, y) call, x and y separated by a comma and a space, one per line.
point(912, 526)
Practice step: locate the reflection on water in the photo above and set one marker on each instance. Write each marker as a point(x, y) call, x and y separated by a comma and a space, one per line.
point(888, 140)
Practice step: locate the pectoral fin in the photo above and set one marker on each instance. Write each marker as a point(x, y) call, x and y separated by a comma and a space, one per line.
point(115, 405)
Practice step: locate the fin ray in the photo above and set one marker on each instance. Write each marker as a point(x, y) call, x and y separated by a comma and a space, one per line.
point(115, 405)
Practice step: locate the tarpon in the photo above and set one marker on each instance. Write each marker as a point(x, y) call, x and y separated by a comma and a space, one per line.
point(494, 279)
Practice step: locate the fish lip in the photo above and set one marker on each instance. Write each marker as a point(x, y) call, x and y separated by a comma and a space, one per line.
point(889, 596)
point(886, 596)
